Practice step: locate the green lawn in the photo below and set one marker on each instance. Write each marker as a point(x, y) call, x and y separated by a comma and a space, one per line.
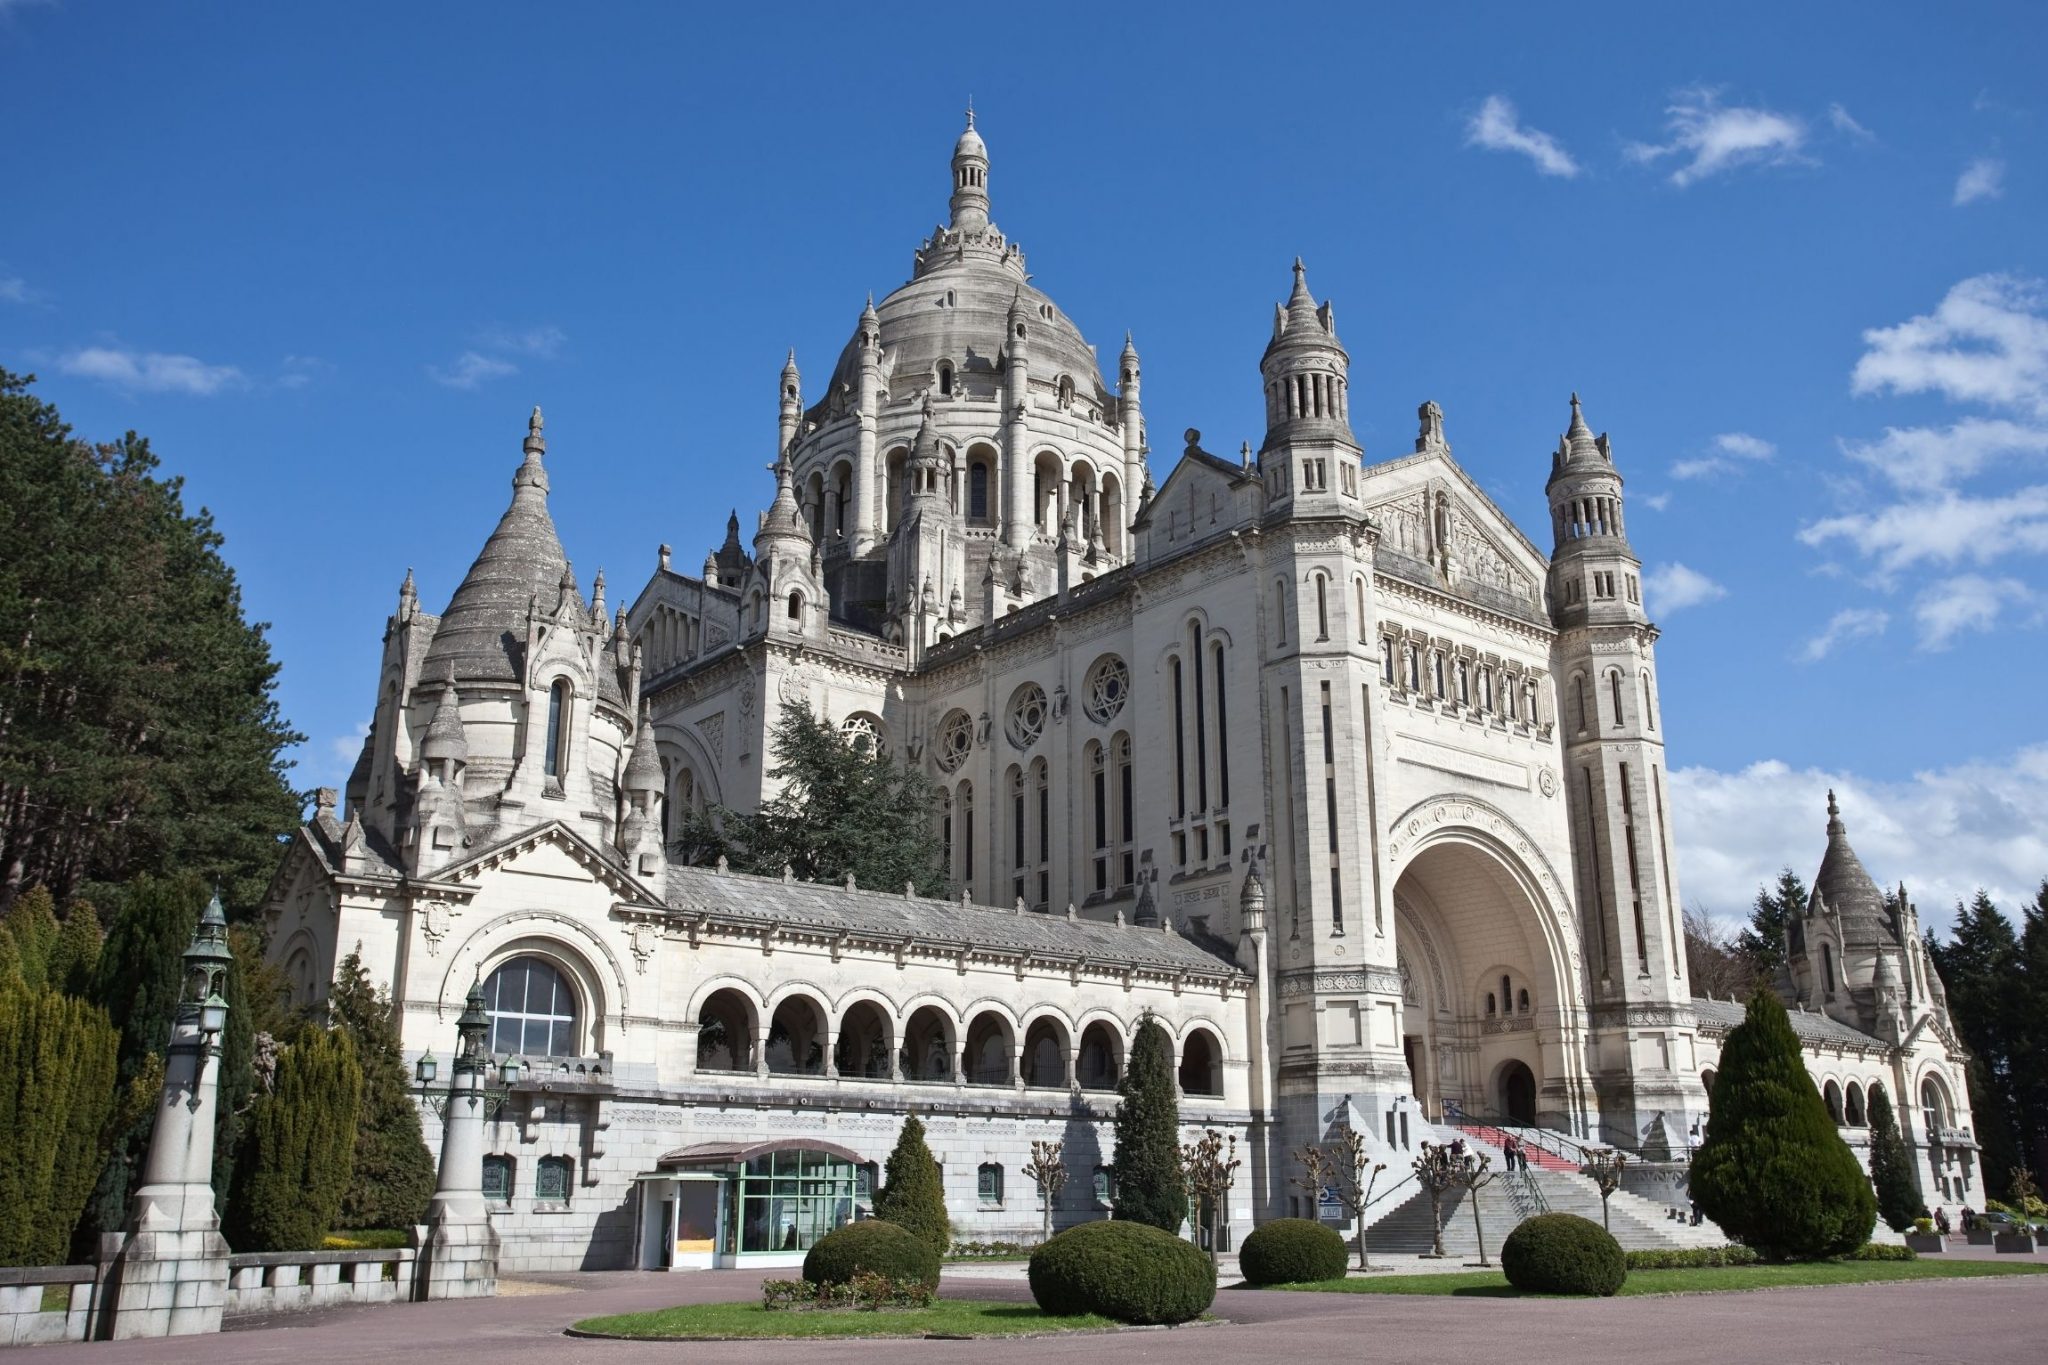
point(947, 1317)
point(1706, 1280)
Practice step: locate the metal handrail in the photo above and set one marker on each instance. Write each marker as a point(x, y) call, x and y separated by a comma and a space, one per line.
point(1546, 1139)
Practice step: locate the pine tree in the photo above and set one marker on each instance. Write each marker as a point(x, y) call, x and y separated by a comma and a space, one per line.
point(394, 1172)
point(10, 961)
point(300, 1147)
point(2029, 1048)
point(235, 1087)
point(1980, 971)
point(142, 733)
point(32, 923)
point(841, 809)
point(75, 958)
point(912, 1195)
point(1773, 1171)
point(1891, 1170)
point(56, 1088)
point(1763, 942)
point(1150, 1185)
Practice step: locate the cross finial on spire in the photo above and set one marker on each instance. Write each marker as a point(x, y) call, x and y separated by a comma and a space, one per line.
point(533, 423)
point(970, 111)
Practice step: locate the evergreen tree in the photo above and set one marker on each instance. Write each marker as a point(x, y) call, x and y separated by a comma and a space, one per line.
point(10, 961)
point(1763, 942)
point(74, 960)
point(32, 923)
point(299, 1148)
point(141, 731)
point(1773, 1172)
point(842, 808)
point(2028, 1057)
point(236, 1086)
point(912, 1195)
point(1150, 1184)
point(394, 1172)
point(1980, 971)
point(1891, 1170)
point(56, 1088)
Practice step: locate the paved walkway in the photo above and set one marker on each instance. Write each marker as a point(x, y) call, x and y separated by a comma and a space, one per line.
point(1941, 1321)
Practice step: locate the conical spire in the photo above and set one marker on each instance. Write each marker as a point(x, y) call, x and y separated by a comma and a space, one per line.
point(643, 768)
point(484, 627)
point(970, 180)
point(1847, 888)
point(445, 738)
point(1581, 446)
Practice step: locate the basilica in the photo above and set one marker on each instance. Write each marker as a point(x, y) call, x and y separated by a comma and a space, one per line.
point(1308, 753)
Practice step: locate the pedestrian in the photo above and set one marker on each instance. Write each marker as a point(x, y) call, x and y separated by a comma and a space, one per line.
point(1941, 1221)
point(1510, 1147)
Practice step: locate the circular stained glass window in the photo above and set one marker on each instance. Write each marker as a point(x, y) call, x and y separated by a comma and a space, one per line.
point(1027, 715)
point(1109, 683)
point(863, 733)
point(956, 738)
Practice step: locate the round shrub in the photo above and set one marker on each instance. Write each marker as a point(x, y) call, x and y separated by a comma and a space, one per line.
point(1131, 1272)
point(1562, 1253)
point(1292, 1251)
point(874, 1246)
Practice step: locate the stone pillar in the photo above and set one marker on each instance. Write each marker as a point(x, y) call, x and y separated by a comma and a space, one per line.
point(459, 1253)
point(169, 1275)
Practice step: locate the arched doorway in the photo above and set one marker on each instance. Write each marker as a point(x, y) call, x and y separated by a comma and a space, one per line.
point(1518, 1094)
point(1488, 981)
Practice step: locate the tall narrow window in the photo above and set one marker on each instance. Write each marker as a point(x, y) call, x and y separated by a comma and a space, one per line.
point(1222, 733)
point(1358, 591)
point(1201, 718)
point(1127, 874)
point(1280, 608)
point(1322, 607)
point(1635, 884)
point(1180, 743)
point(1614, 682)
point(966, 819)
point(1017, 845)
point(1649, 707)
point(1579, 692)
point(977, 491)
point(1043, 783)
point(558, 725)
point(1330, 799)
point(1098, 790)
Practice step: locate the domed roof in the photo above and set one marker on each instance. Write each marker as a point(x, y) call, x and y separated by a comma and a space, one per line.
point(483, 633)
point(1847, 889)
point(956, 307)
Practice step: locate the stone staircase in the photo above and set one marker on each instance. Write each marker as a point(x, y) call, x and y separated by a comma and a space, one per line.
point(1551, 1185)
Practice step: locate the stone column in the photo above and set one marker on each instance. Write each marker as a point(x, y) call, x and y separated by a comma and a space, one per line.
point(459, 1257)
point(170, 1263)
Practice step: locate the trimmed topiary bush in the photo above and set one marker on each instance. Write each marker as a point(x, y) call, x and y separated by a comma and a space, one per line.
point(874, 1247)
point(1292, 1251)
point(913, 1196)
point(1562, 1253)
point(1131, 1272)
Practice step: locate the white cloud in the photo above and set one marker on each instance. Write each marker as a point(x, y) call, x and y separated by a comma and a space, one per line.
point(1730, 446)
point(1852, 624)
point(1496, 128)
point(14, 289)
point(1656, 502)
point(1712, 138)
point(1840, 119)
point(1946, 528)
point(1674, 587)
point(1965, 602)
point(1944, 832)
point(1983, 178)
point(539, 342)
point(1927, 458)
point(1986, 342)
point(302, 370)
point(150, 371)
point(470, 369)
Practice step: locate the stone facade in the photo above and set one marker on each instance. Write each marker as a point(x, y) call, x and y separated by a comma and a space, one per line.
point(1317, 759)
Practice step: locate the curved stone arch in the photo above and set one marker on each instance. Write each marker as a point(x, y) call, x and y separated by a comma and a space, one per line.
point(689, 746)
point(1405, 910)
point(586, 950)
point(1471, 820)
point(1044, 1010)
point(811, 990)
point(710, 986)
point(937, 1001)
point(303, 940)
point(1931, 1070)
point(1201, 1021)
point(854, 995)
point(990, 1002)
point(1488, 979)
point(1100, 1014)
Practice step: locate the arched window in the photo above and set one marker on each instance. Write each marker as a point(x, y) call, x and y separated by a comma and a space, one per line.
point(1521, 1002)
point(1852, 1105)
point(1827, 960)
point(1492, 1005)
point(1933, 1108)
point(1707, 1080)
point(1614, 681)
point(1101, 1060)
point(977, 491)
point(531, 1009)
point(725, 1033)
point(1649, 705)
point(1358, 593)
point(1832, 1094)
point(1322, 607)
point(796, 606)
point(1280, 609)
point(1579, 693)
point(1201, 1064)
point(555, 761)
point(946, 378)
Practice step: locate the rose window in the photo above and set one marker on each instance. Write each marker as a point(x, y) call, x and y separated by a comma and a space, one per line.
point(956, 738)
point(1027, 715)
point(862, 732)
point(1109, 683)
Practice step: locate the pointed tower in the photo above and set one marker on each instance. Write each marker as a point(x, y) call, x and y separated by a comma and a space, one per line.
point(1019, 516)
point(640, 784)
point(1309, 453)
point(927, 553)
point(1131, 420)
point(970, 181)
point(867, 476)
point(784, 595)
point(439, 818)
point(792, 400)
point(1604, 658)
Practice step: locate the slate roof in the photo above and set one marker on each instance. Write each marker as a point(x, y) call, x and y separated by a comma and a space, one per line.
point(1848, 889)
point(887, 915)
point(1817, 1029)
point(483, 633)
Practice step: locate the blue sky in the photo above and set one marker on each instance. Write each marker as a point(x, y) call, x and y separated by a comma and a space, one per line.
point(1792, 257)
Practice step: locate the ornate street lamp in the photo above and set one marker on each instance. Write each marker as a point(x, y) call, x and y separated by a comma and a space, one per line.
point(207, 960)
point(476, 1075)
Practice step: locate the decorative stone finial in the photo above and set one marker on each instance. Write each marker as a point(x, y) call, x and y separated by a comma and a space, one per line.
point(664, 552)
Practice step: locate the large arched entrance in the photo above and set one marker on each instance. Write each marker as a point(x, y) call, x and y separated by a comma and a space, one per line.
point(1489, 987)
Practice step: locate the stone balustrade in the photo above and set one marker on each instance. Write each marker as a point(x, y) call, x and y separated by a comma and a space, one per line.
point(45, 1303)
point(281, 1281)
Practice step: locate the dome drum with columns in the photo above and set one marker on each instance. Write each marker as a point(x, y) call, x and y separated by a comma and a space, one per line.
point(1316, 758)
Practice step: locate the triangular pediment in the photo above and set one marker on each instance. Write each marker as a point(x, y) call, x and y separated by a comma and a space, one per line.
point(1425, 504)
point(1204, 497)
point(550, 850)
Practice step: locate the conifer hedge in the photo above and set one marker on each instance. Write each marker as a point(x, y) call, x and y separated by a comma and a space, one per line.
point(1773, 1172)
point(56, 1089)
point(394, 1172)
point(1150, 1184)
point(912, 1196)
point(1891, 1172)
point(299, 1147)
